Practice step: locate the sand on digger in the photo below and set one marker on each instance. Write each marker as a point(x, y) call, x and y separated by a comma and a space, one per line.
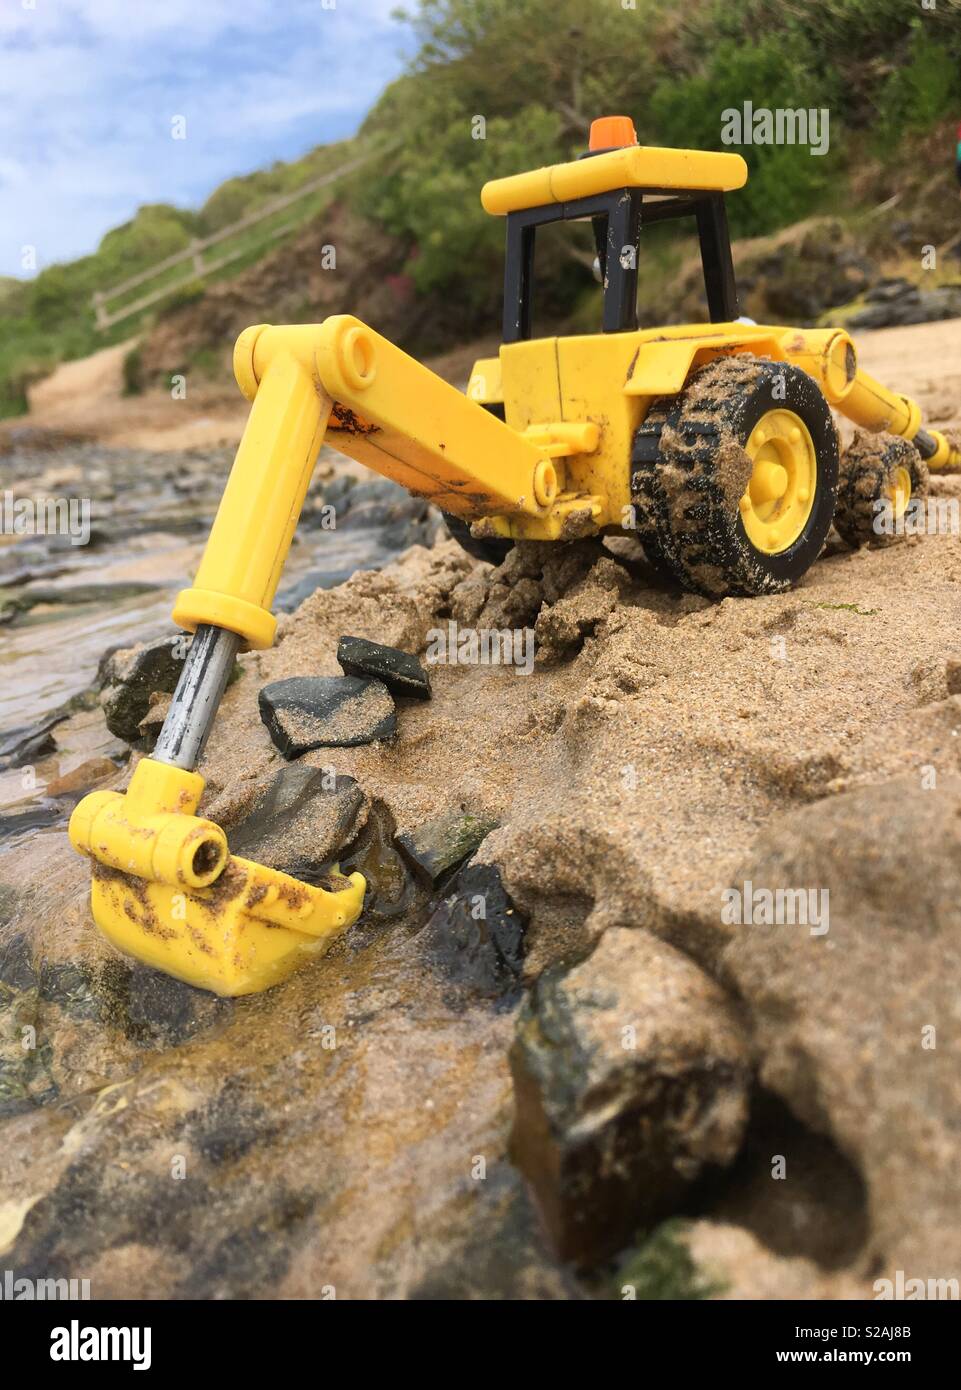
point(665, 752)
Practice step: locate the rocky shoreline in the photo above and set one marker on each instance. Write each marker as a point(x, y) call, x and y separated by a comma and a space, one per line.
point(604, 1080)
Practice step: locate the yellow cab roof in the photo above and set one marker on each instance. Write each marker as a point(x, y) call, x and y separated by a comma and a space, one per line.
point(633, 166)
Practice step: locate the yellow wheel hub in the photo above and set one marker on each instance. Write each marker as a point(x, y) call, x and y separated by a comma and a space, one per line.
point(779, 497)
point(898, 490)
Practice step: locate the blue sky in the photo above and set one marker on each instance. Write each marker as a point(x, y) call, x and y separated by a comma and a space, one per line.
point(89, 88)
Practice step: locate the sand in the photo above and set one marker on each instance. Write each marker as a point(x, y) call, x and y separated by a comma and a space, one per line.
point(632, 772)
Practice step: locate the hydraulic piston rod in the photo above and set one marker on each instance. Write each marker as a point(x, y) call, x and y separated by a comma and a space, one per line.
point(197, 697)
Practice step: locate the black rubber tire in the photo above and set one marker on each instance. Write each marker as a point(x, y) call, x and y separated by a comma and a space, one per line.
point(689, 471)
point(494, 552)
point(867, 470)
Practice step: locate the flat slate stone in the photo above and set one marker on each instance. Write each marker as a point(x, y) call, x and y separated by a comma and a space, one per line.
point(401, 672)
point(18, 747)
point(438, 846)
point(298, 820)
point(34, 819)
point(308, 712)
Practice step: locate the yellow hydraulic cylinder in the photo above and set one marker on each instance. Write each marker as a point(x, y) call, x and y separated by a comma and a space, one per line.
point(946, 454)
point(874, 407)
point(258, 513)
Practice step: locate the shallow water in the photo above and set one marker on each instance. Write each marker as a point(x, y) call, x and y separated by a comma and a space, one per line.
point(149, 516)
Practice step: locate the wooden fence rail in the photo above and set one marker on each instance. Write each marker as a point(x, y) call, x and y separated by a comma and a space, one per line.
point(194, 253)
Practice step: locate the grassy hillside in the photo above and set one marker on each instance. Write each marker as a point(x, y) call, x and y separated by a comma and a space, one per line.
point(536, 72)
point(50, 318)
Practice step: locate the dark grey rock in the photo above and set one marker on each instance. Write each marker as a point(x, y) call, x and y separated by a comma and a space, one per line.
point(27, 745)
point(308, 712)
point(130, 676)
point(377, 502)
point(18, 822)
point(418, 529)
point(105, 669)
point(631, 1077)
point(393, 893)
point(889, 289)
point(299, 819)
point(475, 938)
point(400, 671)
point(438, 846)
point(899, 303)
point(335, 492)
point(16, 959)
point(150, 1008)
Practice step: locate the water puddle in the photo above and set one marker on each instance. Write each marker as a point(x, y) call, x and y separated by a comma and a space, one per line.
point(64, 605)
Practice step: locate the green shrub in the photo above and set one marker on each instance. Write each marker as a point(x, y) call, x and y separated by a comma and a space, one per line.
point(785, 182)
point(916, 96)
point(133, 373)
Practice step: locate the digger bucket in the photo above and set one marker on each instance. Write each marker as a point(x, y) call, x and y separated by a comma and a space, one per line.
point(166, 891)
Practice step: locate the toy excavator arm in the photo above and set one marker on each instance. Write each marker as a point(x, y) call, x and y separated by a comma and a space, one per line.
point(830, 357)
point(875, 408)
point(165, 887)
point(343, 381)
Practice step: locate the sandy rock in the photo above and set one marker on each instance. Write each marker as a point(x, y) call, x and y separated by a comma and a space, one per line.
point(401, 672)
point(308, 712)
point(533, 573)
point(562, 626)
point(856, 1028)
point(129, 677)
point(630, 1076)
point(298, 819)
point(439, 845)
point(79, 778)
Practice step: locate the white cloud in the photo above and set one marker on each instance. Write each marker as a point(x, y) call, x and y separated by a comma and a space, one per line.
point(88, 89)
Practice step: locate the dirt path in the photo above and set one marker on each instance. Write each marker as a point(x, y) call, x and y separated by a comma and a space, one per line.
point(87, 398)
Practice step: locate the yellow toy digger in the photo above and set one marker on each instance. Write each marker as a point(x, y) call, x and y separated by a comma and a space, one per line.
point(714, 443)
